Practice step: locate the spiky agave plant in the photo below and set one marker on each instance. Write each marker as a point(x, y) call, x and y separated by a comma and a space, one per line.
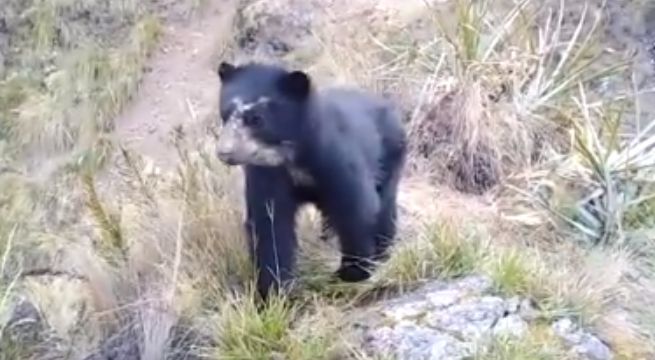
point(616, 171)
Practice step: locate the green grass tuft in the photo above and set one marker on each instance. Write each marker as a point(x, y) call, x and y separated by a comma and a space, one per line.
point(439, 252)
point(278, 329)
point(248, 334)
point(515, 272)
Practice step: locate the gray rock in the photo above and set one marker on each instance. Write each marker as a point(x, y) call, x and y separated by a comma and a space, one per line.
point(449, 320)
point(432, 297)
point(441, 294)
point(275, 28)
point(441, 320)
point(406, 311)
point(511, 326)
point(581, 342)
point(409, 341)
point(471, 319)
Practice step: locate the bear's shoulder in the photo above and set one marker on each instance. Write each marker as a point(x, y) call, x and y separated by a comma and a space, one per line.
point(359, 110)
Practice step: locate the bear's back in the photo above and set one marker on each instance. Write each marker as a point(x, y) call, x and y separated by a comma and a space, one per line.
point(349, 115)
point(369, 112)
point(362, 122)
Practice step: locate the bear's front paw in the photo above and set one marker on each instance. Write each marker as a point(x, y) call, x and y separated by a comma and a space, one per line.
point(353, 272)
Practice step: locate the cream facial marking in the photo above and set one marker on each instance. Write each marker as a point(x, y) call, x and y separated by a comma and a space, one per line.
point(236, 144)
point(241, 107)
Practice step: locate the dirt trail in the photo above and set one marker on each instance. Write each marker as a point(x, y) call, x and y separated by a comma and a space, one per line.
point(181, 86)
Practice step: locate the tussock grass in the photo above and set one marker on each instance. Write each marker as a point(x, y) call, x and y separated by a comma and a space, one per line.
point(245, 335)
point(276, 330)
point(439, 252)
point(216, 249)
point(518, 272)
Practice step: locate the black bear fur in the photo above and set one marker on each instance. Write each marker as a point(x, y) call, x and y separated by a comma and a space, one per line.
point(341, 149)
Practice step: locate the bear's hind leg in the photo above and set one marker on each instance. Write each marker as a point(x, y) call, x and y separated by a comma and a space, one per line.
point(386, 227)
point(352, 214)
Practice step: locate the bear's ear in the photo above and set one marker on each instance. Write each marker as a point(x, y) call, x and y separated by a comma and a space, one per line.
point(296, 84)
point(225, 70)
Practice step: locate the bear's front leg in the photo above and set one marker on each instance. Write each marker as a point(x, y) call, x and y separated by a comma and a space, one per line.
point(271, 210)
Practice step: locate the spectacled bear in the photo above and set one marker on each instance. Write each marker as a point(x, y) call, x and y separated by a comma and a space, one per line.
point(341, 149)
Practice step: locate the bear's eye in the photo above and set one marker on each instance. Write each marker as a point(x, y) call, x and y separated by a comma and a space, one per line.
point(251, 119)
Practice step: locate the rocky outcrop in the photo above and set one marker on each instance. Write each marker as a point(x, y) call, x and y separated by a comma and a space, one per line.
point(455, 320)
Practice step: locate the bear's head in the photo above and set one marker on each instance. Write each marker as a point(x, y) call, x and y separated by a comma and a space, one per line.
point(262, 108)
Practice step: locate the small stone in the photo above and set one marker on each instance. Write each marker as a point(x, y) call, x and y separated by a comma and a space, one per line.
point(511, 325)
point(563, 326)
point(527, 311)
point(567, 330)
point(593, 349)
point(581, 342)
point(513, 305)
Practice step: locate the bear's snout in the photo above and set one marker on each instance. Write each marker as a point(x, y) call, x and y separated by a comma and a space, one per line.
point(225, 153)
point(229, 143)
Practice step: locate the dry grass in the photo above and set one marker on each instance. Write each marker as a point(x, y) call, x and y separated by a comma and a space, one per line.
point(86, 79)
point(6, 283)
point(492, 96)
point(277, 330)
point(481, 96)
